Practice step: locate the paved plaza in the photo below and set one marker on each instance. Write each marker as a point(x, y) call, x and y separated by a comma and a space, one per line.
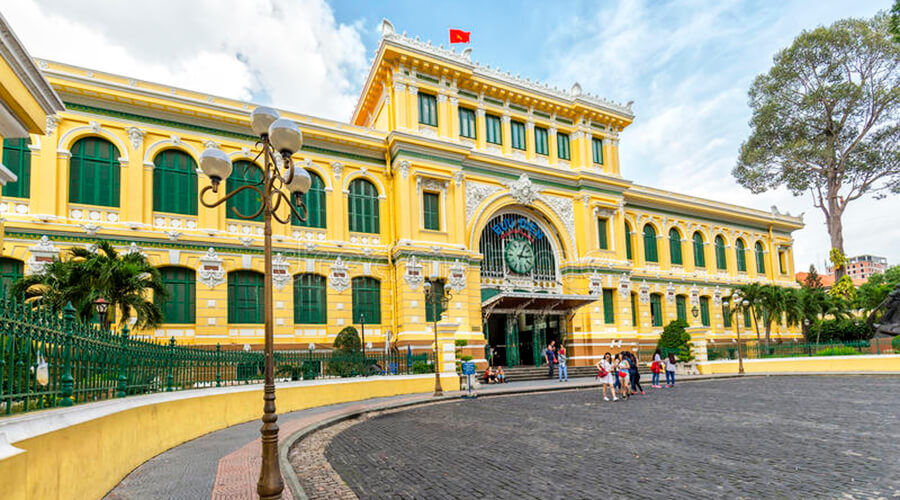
point(762, 437)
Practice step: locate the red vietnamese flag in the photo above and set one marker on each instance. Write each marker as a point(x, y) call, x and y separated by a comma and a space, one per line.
point(459, 36)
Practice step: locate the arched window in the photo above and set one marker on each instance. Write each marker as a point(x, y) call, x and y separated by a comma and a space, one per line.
point(434, 311)
point(681, 307)
point(628, 241)
point(94, 173)
point(650, 250)
point(11, 270)
point(247, 202)
point(174, 183)
point(704, 311)
point(741, 255)
point(721, 263)
point(363, 209)
point(699, 254)
point(17, 158)
point(315, 204)
point(310, 299)
point(656, 313)
point(675, 246)
point(366, 300)
point(181, 283)
point(245, 297)
point(760, 259)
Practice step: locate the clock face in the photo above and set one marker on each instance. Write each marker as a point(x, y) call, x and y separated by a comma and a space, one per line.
point(519, 256)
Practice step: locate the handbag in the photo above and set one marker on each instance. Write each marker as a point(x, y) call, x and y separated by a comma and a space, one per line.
point(623, 373)
point(42, 370)
point(602, 372)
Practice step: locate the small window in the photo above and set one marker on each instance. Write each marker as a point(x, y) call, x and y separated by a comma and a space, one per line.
point(540, 141)
point(11, 271)
point(366, 300)
point(434, 311)
point(427, 109)
point(467, 123)
point(603, 233)
point(17, 158)
point(562, 146)
point(431, 212)
point(681, 307)
point(175, 183)
point(726, 317)
point(181, 284)
point(704, 311)
point(748, 318)
point(517, 135)
point(656, 309)
point(609, 310)
point(94, 173)
point(634, 311)
point(247, 202)
point(597, 149)
point(310, 299)
point(493, 132)
point(245, 297)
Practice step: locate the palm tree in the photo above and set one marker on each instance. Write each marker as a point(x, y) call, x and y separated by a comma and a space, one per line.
point(752, 293)
point(128, 282)
point(772, 303)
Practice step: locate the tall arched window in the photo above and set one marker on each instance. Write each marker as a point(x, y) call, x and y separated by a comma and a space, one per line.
point(245, 297)
point(675, 247)
point(181, 283)
point(315, 204)
point(247, 202)
point(656, 313)
point(760, 259)
point(366, 300)
point(310, 299)
point(363, 209)
point(17, 158)
point(11, 270)
point(740, 253)
point(174, 183)
point(94, 173)
point(704, 311)
point(650, 251)
point(721, 262)
point(699, 251)
point(628, 241)
point(681, 307)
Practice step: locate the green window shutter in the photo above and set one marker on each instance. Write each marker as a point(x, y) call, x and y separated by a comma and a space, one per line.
point(562, 146)
point(748, 318)
point(517, 135)
point(11, 270)
point(726, 317)
point(245, 297)
point(17, 158)
point(597, 149)
point(760, 259)
point(434, 311)
point(781, 265)
point(540, 141)
point(493, 130)
point(656, 309)
point(741, 256)
point(427, 109)
point(681, 307)
point(175, 183)
point(634, 315)
point(721, 263)
point(94, 173)
point(181, 284)
point(609, 311)
point(699, 257)
point(675, 247)
point(315, 204)
point(363, 207)
point(628, 242)
point(246, 202)
point(467, 127)
point(650, 251)
point(704, 311)
point(310, 299)
point(366, 300)
point(602, 234)
point(431, 212)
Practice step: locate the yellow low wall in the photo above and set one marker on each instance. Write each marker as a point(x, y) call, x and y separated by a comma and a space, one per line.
point(815, 364)
point(86, 460)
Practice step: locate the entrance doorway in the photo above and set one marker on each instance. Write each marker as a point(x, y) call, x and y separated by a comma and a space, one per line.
point(519, 339)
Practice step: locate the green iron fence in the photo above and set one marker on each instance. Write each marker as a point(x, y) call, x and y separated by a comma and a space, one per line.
point(759, 350)
point(49, 360)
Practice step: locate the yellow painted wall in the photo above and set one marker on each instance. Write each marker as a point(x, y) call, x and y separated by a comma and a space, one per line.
point(853, 364)
point(85, 461)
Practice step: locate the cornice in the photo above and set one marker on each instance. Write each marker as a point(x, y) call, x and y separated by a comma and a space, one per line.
point(25, 69)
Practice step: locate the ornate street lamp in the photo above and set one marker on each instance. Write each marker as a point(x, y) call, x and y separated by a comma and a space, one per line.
point(432, 299)
point(282, 182)
point(740, 307)
point(101, 307)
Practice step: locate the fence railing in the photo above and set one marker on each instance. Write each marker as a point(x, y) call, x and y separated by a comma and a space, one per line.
point(49, 360)
point(759, 350)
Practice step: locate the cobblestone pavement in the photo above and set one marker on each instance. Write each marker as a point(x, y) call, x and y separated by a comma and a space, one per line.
point(773, 437)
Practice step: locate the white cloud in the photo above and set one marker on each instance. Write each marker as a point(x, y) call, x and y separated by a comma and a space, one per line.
point(293, 54)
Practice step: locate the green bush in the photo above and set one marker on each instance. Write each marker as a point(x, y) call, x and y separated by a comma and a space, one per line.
point(419, 367)
point(896, 343)
point(676, 338)
point(347, 341)
point(841, 330)
point(837, 351)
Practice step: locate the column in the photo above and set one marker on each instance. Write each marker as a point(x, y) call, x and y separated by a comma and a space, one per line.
point(529, 140)
point(453, 132)
point(413, 108)
point(400, 104)
point(512, 341)
point(480, 132)
point(444, 114)
point(506, 133)
point(135, 194)
point(553, 157)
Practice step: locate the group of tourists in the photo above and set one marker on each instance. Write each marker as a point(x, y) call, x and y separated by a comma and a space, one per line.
point(619, 374)
point(494, 375)
point(556, 356)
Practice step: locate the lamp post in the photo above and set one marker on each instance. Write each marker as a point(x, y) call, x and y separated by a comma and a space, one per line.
point(740, 307)
point(362, 329)
point(279, 138)
point(101, 307)
point(432, 298)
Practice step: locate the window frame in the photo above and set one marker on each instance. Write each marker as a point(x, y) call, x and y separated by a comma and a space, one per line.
point(428, 109)
point(704, 312)
point(493, 128)
point(438, 289)
point(175, 187)
point(629, 251)
point(609, 307)
point(597, 150)
point(517, 135)
point(603, 233)
point(316, 205)
point(675, 251)
point(470, 121)
point(310, 294)
point(103, 174)
point(541, 141)
point(563, 146)
point(721, 257)
point(656, 313)
point(431, 218)
point(364, 288)
point(240, 283)
point(681, 307)
point(361, 200)
point(183, 310)
point(740, 255)
point(699, 250)
point(11, 270)
point(760, 258)
point(248, 201)
point(651, 246)
point(21, 167)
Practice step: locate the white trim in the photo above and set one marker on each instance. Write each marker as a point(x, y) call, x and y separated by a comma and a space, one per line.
point(78, 133)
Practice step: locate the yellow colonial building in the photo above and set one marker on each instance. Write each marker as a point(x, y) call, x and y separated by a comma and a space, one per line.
point(506, 192)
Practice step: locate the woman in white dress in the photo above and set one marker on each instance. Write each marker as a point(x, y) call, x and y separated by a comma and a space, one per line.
point(605, 365)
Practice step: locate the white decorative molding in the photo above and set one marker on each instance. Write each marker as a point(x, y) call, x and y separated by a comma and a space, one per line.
point(403, 168)
point(596, 284)
point(90, 228)
point(339, 276)
point(476, 192)
point(133, 248)
point(413, 274)
point(717, 296)
point(42, 254)
point(136, 136)
point(212, 274)
point(695, 296)
point(208, 144)
point(670, 293)
point(456, 279)
point(431, 184)
point(565, 210)
point(52, 122)
point(458, 178)
point(523, 190)
point(281, 275)
point(644, 293)
point(624, 286)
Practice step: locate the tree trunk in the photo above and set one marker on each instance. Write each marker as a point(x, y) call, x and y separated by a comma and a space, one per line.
point(836, 228)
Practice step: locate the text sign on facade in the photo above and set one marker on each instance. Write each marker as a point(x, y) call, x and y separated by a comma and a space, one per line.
point(506, 227)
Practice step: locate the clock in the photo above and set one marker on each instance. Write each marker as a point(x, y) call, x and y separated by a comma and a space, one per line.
point(519, 255)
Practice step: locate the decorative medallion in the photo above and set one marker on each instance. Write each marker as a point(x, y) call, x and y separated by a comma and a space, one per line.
point(456, 280)
point(717, 296)
point(136, 136)
point(644, 293)
point(695, 296)
point(670, 293)
point(596, 284)
point(624, 286)
point(476, 192)
point(212, 274)
point(42, 254)
point(281, 275)
point(523, 190)
point(413, 274)
point(339, 276)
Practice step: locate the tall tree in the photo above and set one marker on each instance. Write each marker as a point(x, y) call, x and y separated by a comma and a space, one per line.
point(895, 21)
point(825, 120)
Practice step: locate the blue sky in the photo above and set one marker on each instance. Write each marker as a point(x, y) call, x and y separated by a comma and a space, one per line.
point(687, 65)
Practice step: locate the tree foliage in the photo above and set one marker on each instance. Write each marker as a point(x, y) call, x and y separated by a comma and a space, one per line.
point(347, 341)
point(825, 119)
point(895, 21)
point(812, 279)
point(676, 338)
